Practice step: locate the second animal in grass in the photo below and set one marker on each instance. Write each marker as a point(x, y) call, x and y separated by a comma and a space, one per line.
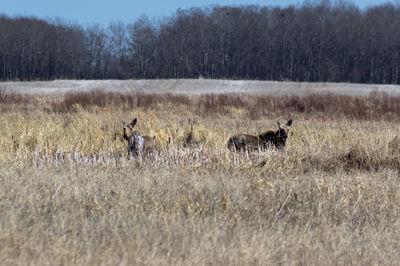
point(250, 142)
point(137, 143)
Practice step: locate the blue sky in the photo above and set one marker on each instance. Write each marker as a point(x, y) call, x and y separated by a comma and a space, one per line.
point(103, 12)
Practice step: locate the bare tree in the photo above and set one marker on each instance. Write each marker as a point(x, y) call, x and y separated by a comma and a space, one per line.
point(142, 48)
point(119, 48)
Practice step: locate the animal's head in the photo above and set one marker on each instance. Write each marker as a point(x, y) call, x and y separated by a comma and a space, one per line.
point(128, 129)
point(281, 134)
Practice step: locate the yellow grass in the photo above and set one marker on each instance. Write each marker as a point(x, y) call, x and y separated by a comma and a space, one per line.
point(69, 195)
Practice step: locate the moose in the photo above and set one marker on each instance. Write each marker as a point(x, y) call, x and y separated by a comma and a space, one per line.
point(250, 142)
point(137, 143)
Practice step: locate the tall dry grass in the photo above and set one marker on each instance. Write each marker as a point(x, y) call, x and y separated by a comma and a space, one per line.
point(69, 195)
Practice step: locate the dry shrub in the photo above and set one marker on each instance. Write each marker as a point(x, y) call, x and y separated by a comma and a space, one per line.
point(360, 158)
point(376, 106)
point(369, 159)
point(394, 146)
point(90, 99)
point(9, 100)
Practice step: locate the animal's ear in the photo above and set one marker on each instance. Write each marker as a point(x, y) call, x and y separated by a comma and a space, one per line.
point(123, 124)
point(134, 121)
point(154, 137)
point(289, 122)
point(279, 123)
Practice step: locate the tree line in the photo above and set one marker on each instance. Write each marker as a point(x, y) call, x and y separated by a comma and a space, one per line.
point(309, 42)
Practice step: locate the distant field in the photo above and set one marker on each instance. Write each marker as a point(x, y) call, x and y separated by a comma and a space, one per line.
point(70, 196)
point(197, 87)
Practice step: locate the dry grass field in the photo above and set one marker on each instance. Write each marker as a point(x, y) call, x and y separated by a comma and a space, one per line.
point(69, 194)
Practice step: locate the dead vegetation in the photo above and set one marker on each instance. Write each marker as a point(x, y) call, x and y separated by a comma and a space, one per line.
point(376, 106)
point(69, 195)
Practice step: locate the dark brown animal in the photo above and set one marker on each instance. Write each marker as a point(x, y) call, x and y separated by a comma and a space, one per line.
point(137, 144)
point(249, 142)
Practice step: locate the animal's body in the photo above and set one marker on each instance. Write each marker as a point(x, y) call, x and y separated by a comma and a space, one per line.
point(269, 138)
point(244, 141)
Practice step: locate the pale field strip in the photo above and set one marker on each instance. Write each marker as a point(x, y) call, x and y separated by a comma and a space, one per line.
point(198, 87)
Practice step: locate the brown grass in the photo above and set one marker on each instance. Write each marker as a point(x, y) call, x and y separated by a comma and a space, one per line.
point(8, 100)
point(69, 195)
point(377, 106)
